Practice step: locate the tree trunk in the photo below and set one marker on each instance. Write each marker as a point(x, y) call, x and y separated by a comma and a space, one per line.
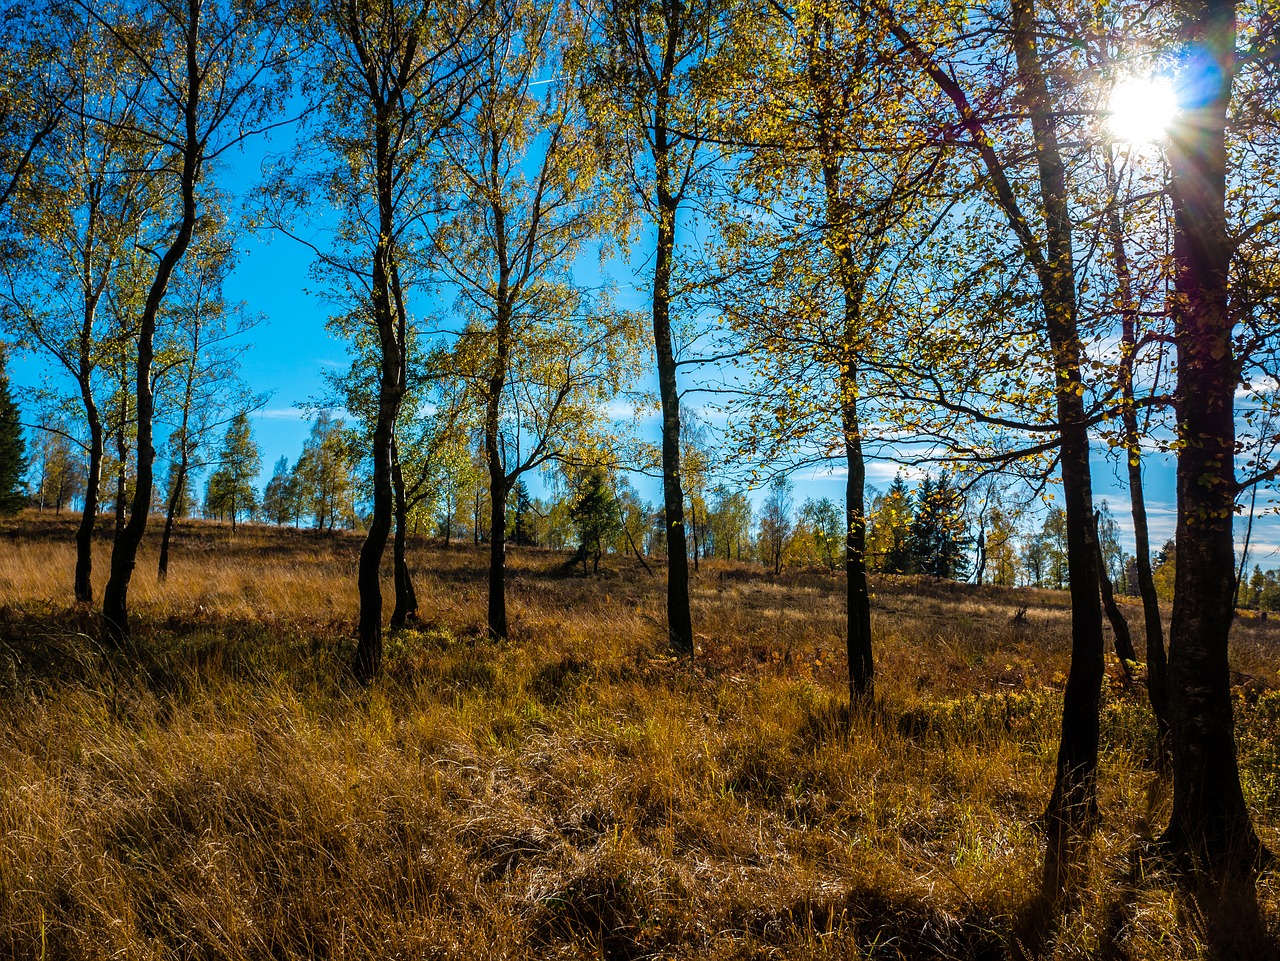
point(406, 598)
point(162, 570)
point(497, 553)
point(122, 456)
point(1119, 626)
point(89, 516)
point(679, 617)
point(1157, 671)
point(1072, 809)
point(391, 385)
point(858, 630)
point(1209, 826)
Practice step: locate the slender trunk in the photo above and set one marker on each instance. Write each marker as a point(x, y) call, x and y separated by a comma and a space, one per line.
point(980, 565)
point(840, 240)
point(1157, 671)
point(693, 530)
point(1210, 824)
point(497, 554)
point(1119, 626)
point(630, 540)
point(115, 610)
point(1244, 550)
point(679, 617)
point(406, 599)
point(89, 516)
point(122, 456)
point(858, 630)
point(175, 498)
point(368, 658)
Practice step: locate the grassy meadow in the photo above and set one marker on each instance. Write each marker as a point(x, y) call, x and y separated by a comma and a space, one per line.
point(223, 789)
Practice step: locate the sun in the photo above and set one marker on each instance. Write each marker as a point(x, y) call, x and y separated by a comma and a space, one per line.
point(1141, 109)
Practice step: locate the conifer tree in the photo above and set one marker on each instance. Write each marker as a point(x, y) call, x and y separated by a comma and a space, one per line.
point(595, 515)
point(13, 451)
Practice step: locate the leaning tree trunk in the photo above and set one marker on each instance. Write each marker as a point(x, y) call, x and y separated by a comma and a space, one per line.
point(1209, 826)
point(1119, 626)
point(1157, 671)
point(124, 554)
point(1072, 810)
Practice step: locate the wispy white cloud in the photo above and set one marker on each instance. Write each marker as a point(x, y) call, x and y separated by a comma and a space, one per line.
point(281, 413)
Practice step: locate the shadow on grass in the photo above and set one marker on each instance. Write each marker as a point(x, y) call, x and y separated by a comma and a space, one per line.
point(1225, 914)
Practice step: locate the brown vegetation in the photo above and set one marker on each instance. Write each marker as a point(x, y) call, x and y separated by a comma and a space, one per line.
point(224, 788)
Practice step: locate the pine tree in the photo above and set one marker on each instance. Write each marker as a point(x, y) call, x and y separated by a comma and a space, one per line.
point(595, 514)
point(13, 451)
point(937, 542)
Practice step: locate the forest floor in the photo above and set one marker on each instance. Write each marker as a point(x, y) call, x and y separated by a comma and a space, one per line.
point(224, 789)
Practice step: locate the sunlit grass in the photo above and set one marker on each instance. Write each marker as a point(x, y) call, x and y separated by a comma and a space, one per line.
point(227, 791)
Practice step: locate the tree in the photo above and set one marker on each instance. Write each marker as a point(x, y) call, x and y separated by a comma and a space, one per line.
point(79, 227)
point(198, 384)
point(279, 497)
point(394, 75)
point(730, 522)
point(32, 105)
point(891, 517)
point(826, 527)
point(776, 520)
point(595, 515)
point(323, 472)
point(206, 89)
point(1210, 824)
point(60, 477)
point(13, 450)
point(834, 180)
point(1039, 217)
point(654, 89)
point(231, 490)
point(540, 352)
point(1000, 555)
point(937, 542)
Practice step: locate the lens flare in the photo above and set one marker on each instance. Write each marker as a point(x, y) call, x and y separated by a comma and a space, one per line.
point(1141, 109)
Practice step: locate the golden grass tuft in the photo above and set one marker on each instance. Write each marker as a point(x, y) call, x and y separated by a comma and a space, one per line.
point(224, 790)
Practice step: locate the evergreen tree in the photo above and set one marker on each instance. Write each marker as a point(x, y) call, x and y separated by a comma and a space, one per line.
point(13, 451)
point(522, 515)
point(937, 544)
point(595, 515)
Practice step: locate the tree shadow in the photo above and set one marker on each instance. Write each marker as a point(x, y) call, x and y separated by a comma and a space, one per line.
point(1225, 913)
point(1231, 919)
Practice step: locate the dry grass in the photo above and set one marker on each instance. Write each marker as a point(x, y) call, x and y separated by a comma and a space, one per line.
point(225, 791)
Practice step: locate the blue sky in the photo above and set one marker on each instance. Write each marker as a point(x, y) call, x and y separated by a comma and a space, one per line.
point(292, 348)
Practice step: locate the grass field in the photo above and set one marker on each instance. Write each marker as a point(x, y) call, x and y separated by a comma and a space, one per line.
point(223, 789)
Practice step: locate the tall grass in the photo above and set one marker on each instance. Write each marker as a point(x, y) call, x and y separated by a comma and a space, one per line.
point(224, 790)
